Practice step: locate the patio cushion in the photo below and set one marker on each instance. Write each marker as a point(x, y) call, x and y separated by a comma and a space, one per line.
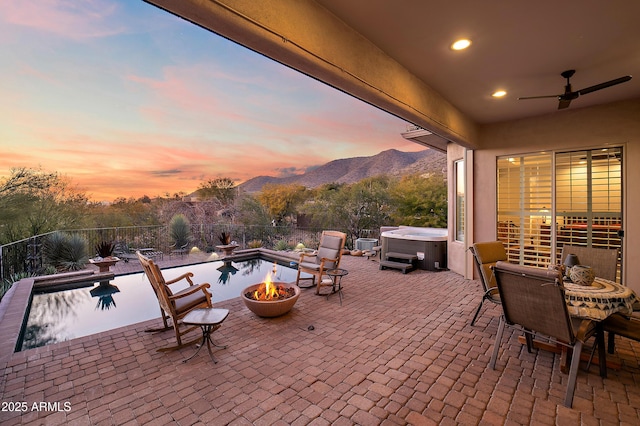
point(309, 265)
point(487, 255)
point(327, 253)
point(190, 301)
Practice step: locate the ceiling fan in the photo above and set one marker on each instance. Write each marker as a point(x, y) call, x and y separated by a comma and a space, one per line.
point(569, 95)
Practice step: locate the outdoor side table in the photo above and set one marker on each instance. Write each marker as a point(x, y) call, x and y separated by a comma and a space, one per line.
point(209, 320)
point(336, 279)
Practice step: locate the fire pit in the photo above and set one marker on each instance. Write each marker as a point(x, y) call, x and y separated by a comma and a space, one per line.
point(270, 299)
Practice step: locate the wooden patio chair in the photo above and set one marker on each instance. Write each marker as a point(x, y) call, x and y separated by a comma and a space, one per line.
point(485, 256)
point(327, 257)
point(533, 301)
point(175, 305)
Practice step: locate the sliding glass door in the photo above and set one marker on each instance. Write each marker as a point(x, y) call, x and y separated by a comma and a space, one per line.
point(545, 200)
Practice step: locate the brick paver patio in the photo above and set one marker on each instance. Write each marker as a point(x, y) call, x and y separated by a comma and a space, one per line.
point(400, 350)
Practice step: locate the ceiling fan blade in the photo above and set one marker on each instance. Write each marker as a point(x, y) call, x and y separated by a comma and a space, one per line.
point(604, 85)
point(538, 97)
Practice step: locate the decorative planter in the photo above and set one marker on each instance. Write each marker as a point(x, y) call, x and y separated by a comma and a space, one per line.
point(227, 249)
point(582, 275)
point(270, 308)
point(105, 263)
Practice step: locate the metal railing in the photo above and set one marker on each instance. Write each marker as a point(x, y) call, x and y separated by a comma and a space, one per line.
point(26, 256)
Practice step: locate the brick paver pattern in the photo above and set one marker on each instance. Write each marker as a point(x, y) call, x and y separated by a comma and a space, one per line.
point(400, 350)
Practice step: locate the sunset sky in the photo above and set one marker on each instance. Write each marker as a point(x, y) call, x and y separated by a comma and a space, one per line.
point(127, 100)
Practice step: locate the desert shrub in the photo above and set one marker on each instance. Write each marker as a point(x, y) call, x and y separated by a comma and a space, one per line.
point(66, 252)
point(104, 248)
point(282, 245)
point(180, 230)
point(255, 244)
point(225, 238)
point(6, 284)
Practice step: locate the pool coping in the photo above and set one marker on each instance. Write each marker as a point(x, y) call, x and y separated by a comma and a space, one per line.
point(12, 309)
point(15, 302)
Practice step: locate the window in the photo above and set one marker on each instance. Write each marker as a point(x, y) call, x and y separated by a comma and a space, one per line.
point(460, 191)
point(589, 197)
point(524, 196)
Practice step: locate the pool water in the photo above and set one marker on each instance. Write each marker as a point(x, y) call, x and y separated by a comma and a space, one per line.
point(129, 299)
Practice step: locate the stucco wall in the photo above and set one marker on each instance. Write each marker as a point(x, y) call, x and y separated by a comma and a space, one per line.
point(615, 124)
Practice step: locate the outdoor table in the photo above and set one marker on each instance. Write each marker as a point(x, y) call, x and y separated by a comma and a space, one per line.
point(598, 300)
point(336, 281)
point(209, 320)
point(595, 302)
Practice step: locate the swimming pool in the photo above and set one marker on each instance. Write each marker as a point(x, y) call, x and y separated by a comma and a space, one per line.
point(57, 316)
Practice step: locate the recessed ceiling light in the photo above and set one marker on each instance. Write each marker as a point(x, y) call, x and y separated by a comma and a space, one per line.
point(461, 44)
point(498, 93)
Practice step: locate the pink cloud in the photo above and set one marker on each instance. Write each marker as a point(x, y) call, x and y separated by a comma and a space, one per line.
point(69, 19)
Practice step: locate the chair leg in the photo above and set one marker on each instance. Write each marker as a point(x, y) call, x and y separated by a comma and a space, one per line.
point(496, 345)
point(164, 320)
point(180, 343)
point(298, 279)
point(573, 374)
point(602, 353)
point(473, 321)
point(612, 343)
point(529, 339)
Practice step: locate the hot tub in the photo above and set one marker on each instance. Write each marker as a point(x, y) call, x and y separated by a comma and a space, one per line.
point(429, 244)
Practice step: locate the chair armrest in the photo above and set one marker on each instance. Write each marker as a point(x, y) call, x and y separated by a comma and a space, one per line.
point(190, 290)
point(326, 259)
point(186, 276)
point(491, 290)
point(586, 330)
point(303, 255)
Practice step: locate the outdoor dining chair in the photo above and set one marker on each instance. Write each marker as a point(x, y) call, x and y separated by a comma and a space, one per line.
point(604, 262)
point(175, 305)
point(622, 325)
point(485, 256)
point(533, 302)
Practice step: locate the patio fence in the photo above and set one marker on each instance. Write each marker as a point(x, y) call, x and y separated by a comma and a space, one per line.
point(26, 256)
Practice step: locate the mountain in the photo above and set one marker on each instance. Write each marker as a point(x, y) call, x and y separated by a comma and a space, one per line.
point(349, 170)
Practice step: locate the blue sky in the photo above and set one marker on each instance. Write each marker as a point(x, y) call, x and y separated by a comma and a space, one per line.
point(127, 100)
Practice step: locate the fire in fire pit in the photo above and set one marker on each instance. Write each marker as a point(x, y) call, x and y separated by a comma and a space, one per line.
point(269, 290)
point(270, 299)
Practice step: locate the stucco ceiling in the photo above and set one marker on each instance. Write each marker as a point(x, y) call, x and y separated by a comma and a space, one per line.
point(518, 46)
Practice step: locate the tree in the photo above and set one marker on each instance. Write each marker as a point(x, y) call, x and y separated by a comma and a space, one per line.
point(357, 208)
point(365, 205)
point(322, 206)
point(124, 212)
point(420, 201)
point(282, 201)
point(252, 212)
point(34, 202)
point(223, 189)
